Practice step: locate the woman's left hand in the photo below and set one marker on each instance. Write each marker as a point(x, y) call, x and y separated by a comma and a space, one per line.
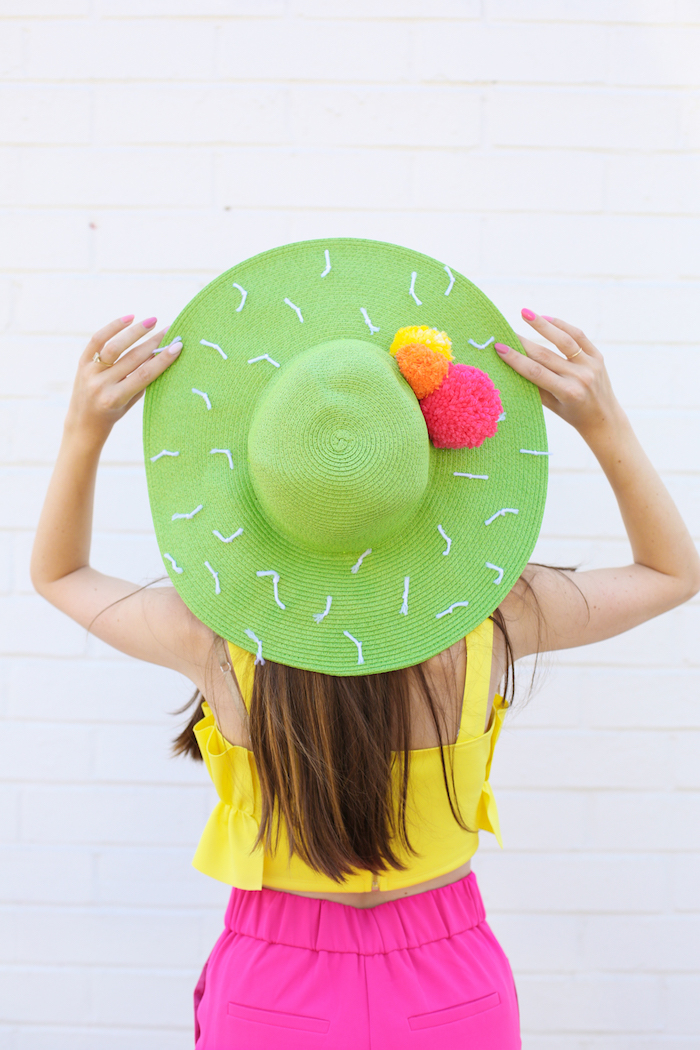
point(113, 373)
point(575, 385)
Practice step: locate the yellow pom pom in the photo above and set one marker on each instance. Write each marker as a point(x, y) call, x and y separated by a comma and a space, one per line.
point(430, 337)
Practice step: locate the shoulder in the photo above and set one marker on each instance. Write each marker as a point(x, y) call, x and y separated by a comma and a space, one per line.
point(544, 598)
point(188, 641)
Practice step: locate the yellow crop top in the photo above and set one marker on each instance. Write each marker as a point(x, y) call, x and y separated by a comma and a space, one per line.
point(224, 851)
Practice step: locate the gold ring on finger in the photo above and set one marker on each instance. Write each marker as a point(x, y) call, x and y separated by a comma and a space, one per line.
point(579, 351)
point(97, 359)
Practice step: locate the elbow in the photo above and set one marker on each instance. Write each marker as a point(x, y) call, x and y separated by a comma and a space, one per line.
point(40, 582)
point(37, 580)
point(693, 587)
point(689, 583)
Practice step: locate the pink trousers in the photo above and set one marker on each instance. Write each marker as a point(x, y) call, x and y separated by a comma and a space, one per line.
point(293, 973)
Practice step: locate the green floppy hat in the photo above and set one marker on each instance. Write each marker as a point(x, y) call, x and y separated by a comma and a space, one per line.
point(299, 505)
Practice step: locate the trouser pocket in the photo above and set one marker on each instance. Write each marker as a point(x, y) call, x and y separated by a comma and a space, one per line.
point(454, 1013)
point(300, 1022)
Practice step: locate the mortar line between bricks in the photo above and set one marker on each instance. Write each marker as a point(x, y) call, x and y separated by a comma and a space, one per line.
point(113, 787)
point(593, 86)
point(591, 21)
point(72, 1026)
point(110, 908)
point(483, 17)
point(469, 151)
point(291, 147)
point(201, 212)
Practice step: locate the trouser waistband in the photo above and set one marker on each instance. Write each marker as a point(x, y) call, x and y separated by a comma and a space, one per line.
point(320, 925)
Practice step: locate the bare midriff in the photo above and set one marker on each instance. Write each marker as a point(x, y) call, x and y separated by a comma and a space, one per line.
point(371, 898)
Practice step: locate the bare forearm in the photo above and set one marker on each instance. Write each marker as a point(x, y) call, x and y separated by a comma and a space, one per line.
point(62, 542)
point(113, 372)
point(656, 531)
point(150, 624)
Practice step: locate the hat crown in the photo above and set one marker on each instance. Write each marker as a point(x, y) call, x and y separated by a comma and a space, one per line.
point(338, 450)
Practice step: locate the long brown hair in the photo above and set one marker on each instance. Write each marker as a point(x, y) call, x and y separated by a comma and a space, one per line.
point(327, 750)
point(324, 755)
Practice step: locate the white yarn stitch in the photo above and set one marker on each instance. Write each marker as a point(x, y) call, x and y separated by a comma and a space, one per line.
point(328, 263)
point(479, 477)
point(530, 452)
point(226, 539)
point(258, 655)
point(359, 561)
point(501, 514)
point(263, 357)
point(360, 658)
point(174, 564)
point(275, 581)
point(177, 339)
point(244, 296)
point(445, 537)
point(449, 273)
point(205, 396)
point(163, 453)
point(496, 568)
point(404, 607)
point(295, 308)
point(214, 346)
point(446, 612)
point(482, 346)
point(412, 289)
point(501, 417)
point(320, 616)
point(217, 588)
point(226, 452)
point(372, 327)
point(190, 515)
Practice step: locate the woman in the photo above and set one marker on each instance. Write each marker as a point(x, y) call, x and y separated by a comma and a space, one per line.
point(336, 594)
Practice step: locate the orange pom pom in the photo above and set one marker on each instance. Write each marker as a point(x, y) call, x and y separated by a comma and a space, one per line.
point(422, 368)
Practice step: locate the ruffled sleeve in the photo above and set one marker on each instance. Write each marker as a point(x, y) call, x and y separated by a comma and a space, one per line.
point(487, 811)
point(225, 850)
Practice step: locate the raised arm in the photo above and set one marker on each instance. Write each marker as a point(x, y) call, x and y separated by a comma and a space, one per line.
point(666, 567)
point(154, 624)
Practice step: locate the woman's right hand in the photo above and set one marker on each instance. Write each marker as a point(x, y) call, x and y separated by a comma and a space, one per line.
point(574, 385)
point(105, 388)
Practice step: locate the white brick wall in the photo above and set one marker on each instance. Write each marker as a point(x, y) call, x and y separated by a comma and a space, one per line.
point(548, 149)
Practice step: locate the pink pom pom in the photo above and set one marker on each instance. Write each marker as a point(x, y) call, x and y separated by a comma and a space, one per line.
point(464, 410)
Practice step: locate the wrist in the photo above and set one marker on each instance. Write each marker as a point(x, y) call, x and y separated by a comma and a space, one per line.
point(608, 428)
point(88, 437)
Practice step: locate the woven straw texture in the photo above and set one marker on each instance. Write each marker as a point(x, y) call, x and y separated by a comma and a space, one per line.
point(293, 465)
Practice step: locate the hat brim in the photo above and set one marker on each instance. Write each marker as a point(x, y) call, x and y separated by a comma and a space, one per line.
point(487, 501)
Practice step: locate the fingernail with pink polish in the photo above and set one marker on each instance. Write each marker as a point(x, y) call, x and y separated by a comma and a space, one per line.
point(550, 319)
point(501, 348)
point(149, 322)
point(528, 314)
point(127, 319)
